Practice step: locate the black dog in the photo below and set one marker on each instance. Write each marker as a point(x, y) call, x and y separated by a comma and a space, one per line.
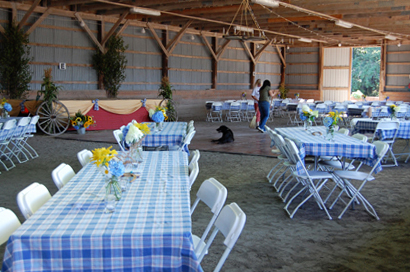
point(227, 135)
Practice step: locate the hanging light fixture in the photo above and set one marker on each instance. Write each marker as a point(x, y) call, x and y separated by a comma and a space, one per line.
point(237, 31)
point(144, 11)
point(391, 37)
point(267, 3)
point(305, 40)
point(343, 24)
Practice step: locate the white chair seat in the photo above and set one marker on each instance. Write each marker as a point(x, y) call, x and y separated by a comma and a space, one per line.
point(315, 175)
point(198, 245)
point(356, 175)
point(8, 224)
point(336, 165)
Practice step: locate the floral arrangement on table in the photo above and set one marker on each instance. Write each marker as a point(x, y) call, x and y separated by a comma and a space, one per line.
point(5, 108)
point(308, 116)
point(393, 110)
point(158, 115)
point(110, 167)
point(243, 95)
point(331, 123)
point(133, 134)
point(80, 120)
point(296, 95)
point(387, 98)
point(364, 97)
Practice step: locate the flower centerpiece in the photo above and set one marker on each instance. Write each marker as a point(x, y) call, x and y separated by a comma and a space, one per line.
point(133, 134)
point(5, 108)
point(387, 98)
point(243, 95)
point(393, 110)
point(364, 97)
point(81, 122)
point(158, 115)
point(331, 124)
point(296, 95)
point(111, 168)
point(308, 116)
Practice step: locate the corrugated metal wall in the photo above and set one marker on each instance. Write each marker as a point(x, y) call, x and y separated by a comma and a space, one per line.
point(397, 68)
point(302, 68)
point(269, 67)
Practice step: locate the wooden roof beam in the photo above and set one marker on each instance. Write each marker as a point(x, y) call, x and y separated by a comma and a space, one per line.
point(39, 21)
point(61, 3)
point(28, 13)
point(113, 28)
point(90, 33)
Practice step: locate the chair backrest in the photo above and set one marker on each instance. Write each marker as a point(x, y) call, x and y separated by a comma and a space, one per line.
point(32, 198)
point(62, 174)
point(118, 137)
point(8, 224)
point(84, 156)
point(195, 157)
point(360, 137)
point(387, 125)
point(193, 173)
point(34, 119)
point(214, 195)
point(230, 223)
point(344, 131)
point(24, 122)
point(188, 139)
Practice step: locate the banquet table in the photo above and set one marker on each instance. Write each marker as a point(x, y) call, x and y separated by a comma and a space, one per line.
point(343, 146)
point(173, 133)
point(149, 230)
point(369, 126)
point(17, 131)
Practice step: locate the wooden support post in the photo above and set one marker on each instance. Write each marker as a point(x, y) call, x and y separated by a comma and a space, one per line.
point(320, 72)
point(28, 13)
point(383, 55)
point(165, 67)
point(253, 66)
point(214, 64)
point(283, 69)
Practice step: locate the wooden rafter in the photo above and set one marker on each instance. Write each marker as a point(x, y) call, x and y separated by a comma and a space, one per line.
point(113, 28)
point(39, 21)
point(154, 34)
point(28, 13)
point(209, 46)
point(248, 51)
point(259, 53)
point(87, 29)
point(173, 43)
point(280, 55)
point(69, 2)
point(126, 24)
point(222, 49)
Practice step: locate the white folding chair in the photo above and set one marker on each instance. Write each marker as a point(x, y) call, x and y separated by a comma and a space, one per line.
point(185, 143)
point(5, 152)
point(208, 107)
point(343, 131)
point(213, 194)
point(193, 173)
point(84, 156)
point(28, 148)
point(8, 224)
point(118, 137)
point(306, 178)
point(230, 223)
point(216, 112)
point(16, 142)
point(195, 157)
point(62, 174)
point(234, 113)
point(32, 198)
point(354, 193)
point(386, 131)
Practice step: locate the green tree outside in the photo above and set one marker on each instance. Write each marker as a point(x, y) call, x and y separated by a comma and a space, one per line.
point(366, 70)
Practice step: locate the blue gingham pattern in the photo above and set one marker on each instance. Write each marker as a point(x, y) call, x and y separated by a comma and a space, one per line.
point(17, 130)
point(150, 229)
point(368, 126)
point(342, 145)
point(173, 133)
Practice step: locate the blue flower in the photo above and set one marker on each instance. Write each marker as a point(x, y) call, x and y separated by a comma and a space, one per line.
point(303, 117)
point(387, 98)
point(116, 168)
point(7, 107)
point(390, 110)
point(328, 121)
point(158, 117)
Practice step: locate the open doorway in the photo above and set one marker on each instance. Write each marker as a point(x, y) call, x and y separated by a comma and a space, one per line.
point(365, 72)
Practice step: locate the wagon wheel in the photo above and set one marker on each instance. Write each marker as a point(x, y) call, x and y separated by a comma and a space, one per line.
point(54, 117)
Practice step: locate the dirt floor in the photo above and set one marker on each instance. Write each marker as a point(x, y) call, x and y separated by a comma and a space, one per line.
point(271, 241)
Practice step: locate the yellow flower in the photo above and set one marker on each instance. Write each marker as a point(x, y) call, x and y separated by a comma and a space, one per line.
point(101, 156)
point(144, 128)
point(78, 119)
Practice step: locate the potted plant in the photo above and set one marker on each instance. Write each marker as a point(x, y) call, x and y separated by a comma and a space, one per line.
point(166, 91)
point(48, 89)
point(81, 122)
point(283, 91)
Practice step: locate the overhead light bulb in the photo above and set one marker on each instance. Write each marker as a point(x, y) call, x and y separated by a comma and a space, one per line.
point(145, 11)
point(192, 37)
point(268, 3)
point(339, 45)
point(399, 44)
point(82, 24)
point(391, 37)
point(288, 47)
point(305, 40)
point(143, 30)
point(343, 24)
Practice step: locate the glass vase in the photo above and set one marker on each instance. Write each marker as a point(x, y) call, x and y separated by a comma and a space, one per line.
point(136, 153)
point(4, 113)
point(307, 125)
point(330, 133)
point(113, 187)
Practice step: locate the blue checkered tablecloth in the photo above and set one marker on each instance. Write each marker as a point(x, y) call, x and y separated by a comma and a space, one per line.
point(150, 229)
point(173, 133)
point(342, 145)
point(369, 126)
